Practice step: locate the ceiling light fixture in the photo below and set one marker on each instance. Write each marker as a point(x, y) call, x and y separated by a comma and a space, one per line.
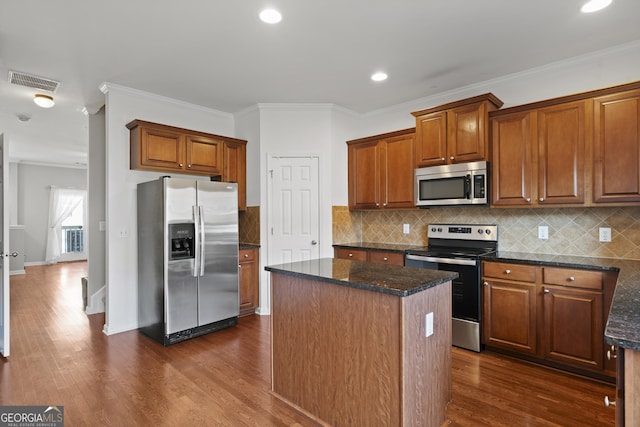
point(379, 76)
point(594, 6)
point(44, 101)
point(270, 16)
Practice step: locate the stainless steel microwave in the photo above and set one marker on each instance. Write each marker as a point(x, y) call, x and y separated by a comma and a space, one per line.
point(458, 184)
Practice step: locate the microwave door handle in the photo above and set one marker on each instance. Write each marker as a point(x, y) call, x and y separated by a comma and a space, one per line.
point(467, 186)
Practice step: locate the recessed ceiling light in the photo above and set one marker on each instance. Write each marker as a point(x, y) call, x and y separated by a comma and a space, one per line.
point(594, 5)
point(270, 16)
point(379, 76)
point(44, 101)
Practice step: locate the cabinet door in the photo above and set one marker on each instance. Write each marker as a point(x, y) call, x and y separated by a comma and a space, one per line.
point(616, 151)
point(161, 148)
point(510, 316)
point(466, 141)
point(204, 155)
point(364, 175)
point(512, 169)
point(397, 172)
point(561, 147)
point(431, 139)
point(248, 281)
point(573, 327)
point(234, 158)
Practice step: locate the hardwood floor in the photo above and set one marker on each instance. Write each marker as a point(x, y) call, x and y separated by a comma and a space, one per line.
point(59, 356)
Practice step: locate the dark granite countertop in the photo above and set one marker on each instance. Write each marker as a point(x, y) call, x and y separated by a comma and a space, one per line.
point(372, 246)
point(623, 324)
point(243, 246)
point(387, 279)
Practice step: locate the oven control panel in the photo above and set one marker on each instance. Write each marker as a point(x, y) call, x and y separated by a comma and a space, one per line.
point(463, 231)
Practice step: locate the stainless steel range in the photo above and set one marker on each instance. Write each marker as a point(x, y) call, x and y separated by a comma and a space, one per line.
point(459, 248)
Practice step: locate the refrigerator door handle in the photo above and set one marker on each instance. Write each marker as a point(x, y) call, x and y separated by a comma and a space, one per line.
point(202, 242)
point(196, 259)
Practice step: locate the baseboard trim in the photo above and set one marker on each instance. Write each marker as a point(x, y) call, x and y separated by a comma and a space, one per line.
point(96, 302)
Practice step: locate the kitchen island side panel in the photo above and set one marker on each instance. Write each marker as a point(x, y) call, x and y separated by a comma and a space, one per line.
point(336, 351)
point(426, 385)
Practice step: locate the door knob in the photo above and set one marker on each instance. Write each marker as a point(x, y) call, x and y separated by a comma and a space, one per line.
point(314, 242)
point(13, 254)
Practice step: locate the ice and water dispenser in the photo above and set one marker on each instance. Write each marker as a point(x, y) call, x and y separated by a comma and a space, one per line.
point(181, 241)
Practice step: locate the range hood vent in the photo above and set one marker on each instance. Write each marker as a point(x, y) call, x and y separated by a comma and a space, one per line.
point(29, 80)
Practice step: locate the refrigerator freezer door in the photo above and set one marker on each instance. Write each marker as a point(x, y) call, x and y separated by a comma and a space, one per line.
point(181, 287)
point(218, 286)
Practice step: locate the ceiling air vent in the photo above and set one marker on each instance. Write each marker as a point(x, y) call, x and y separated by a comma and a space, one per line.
point(29, 80)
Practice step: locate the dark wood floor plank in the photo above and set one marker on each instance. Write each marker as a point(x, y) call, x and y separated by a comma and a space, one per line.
point(60, 356)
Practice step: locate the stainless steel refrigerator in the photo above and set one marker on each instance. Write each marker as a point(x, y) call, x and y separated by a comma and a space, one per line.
point(187, 258)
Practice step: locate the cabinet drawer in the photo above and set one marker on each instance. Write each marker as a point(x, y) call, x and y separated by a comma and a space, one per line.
point(247, 255)
point(347, 253)
point(519, 272)
point(574, 278)
point(392, 258)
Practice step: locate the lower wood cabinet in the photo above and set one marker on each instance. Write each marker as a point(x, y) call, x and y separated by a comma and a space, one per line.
point(377, 256)
point(248, 270)
point(553, 315)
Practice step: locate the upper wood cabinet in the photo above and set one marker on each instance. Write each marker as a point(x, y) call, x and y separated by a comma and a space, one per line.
point(454, 133)
point(539, 155)
point(616, 148)
point(381, 171)
point(161, 148)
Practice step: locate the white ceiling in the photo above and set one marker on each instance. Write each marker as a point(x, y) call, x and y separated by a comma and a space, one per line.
point(218, 54)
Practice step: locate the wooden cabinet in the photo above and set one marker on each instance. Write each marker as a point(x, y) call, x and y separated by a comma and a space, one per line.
point(454, 133)
point(539, 156)
point(509, 301)
point(616, 148)
point(381, 172)
point(549, 314)
point(376, 256)
point(161, 148)
point(234, 160)
point(573, 317)
point(248, 280)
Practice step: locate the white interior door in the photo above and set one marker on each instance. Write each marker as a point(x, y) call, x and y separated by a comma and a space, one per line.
point(293, 222)
point(4, 258)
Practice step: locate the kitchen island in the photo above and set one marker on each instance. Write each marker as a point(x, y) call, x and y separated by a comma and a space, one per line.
point(349, 342)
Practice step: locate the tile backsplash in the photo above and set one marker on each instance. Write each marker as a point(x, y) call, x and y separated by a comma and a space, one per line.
point(249, 225)
point(572, 231)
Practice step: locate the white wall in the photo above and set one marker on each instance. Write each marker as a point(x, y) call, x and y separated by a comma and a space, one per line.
point(122, 106)
point(96, 196)
point(34, 183)
point(247, 127)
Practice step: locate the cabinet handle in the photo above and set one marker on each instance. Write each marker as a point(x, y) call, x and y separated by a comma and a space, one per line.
point(384, 204)
point(541, 199)
point(507, 272)
point(486, 283)
point(188, 166)
point(180, 165)
point(546, 291)
point(452, 158)
point(378, 204)
point(528, 200)
point(442, 158)
point(246, 255)
point(571, 279)
point(608, 402)
point(385, 259)
point(239, 266)
point(611, 355)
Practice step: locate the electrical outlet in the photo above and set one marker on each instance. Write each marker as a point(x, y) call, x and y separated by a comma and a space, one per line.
point(605, 234)
point(428, 323)
point(543, 232)
point(405, 228)
point(124, 233)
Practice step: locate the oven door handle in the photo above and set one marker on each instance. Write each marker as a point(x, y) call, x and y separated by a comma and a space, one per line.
point(457, 261)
